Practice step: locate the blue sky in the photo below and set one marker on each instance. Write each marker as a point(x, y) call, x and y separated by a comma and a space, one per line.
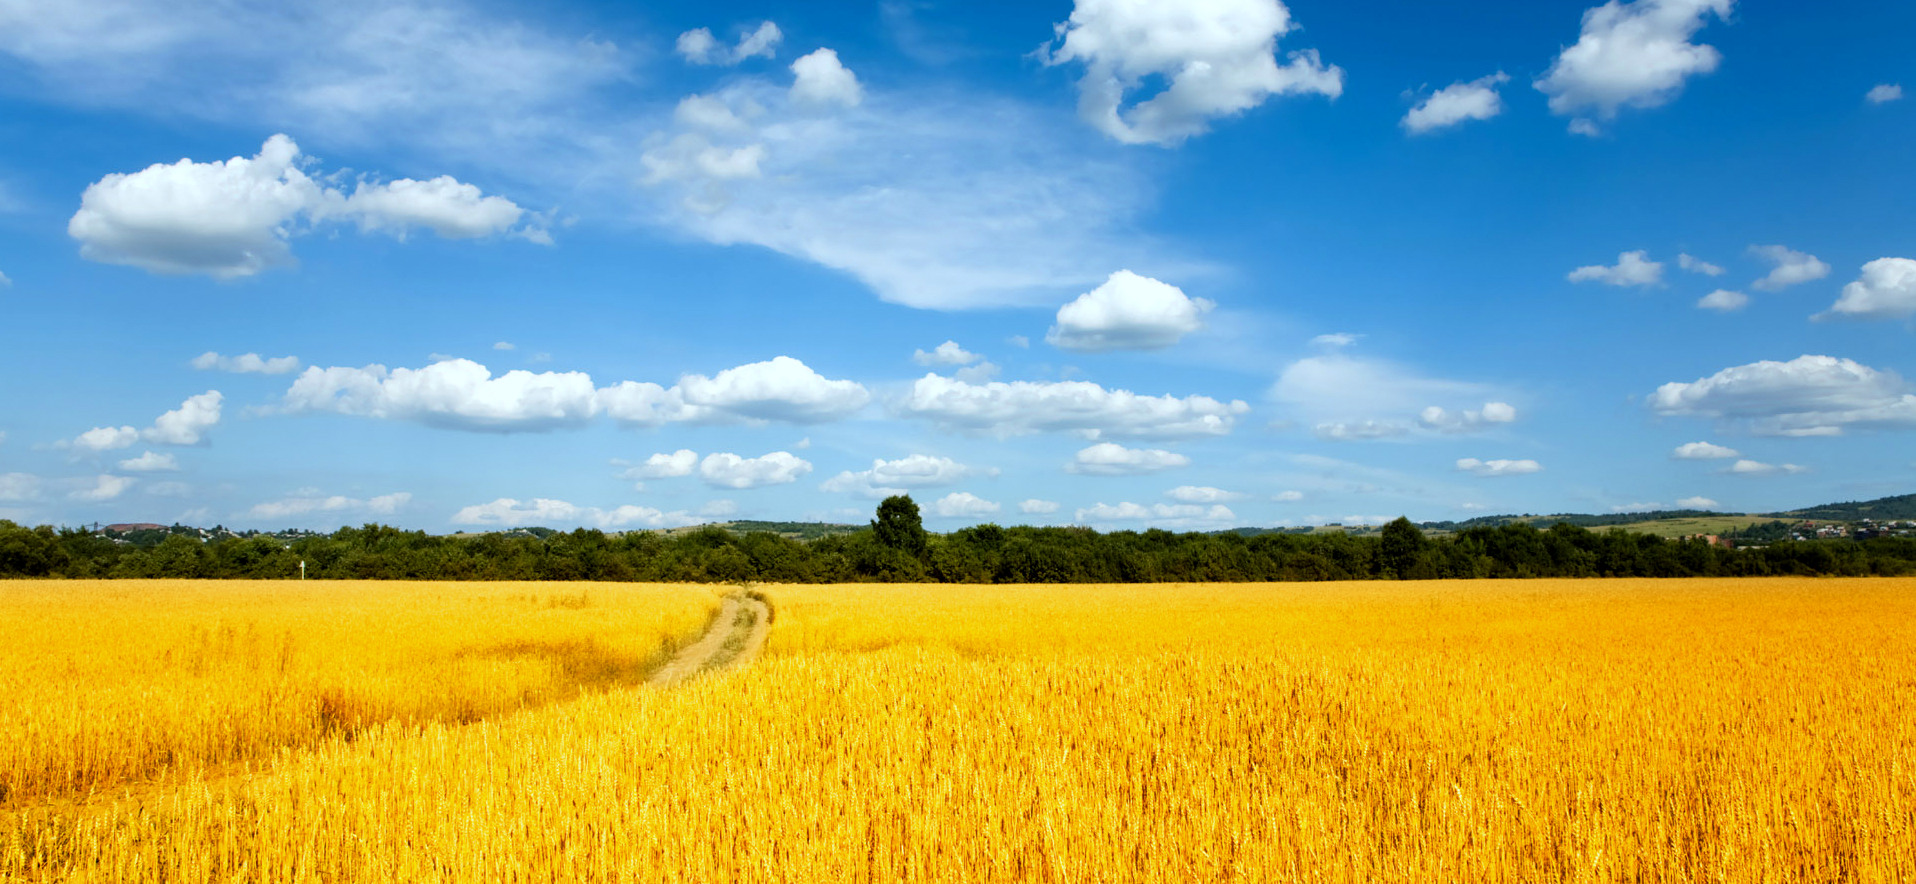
point(464, 265)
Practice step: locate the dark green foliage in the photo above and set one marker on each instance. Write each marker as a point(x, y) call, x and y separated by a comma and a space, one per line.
point(980, 554)
point(899, 527)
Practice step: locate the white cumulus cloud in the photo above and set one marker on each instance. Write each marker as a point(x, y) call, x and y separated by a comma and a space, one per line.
point(248, 363)
point(781, 389)
point(305, 504)
point(1723, 301)
point(1758, 468)
point(103, 488)
point(185, 425)
point(889, 477)
point(236, 217)
point(1020, 407)
point(1456, 103)
point(1883, 93)
point(462, 394)
point(821, 79)
point(1036, 507)
point(507, 512)
point(1469, 420)
point(106, 438)
point(1885, 290)
point(455, 393)
point(1128, 312)
point(664, 466)
point(1632, 268)
point(1497, 467)
point(1162, 515)
point(1806, 396)
point(727, 470)
point(1201, 494)
point(1216, 58)
point(1698, 503)
point(1790, 267)
point(963, 505)
point(1630, 55)
point(150, 462)
point(1702, 451)
point(947, 353)
point(1112, 459)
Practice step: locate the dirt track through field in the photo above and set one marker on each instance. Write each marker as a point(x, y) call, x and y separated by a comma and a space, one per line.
point(736, 635)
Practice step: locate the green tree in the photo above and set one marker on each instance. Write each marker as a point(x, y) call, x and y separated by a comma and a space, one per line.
point(1401, 551)
point(898, 526)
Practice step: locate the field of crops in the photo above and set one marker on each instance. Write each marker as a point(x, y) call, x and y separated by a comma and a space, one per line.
point(109, 684)
point(1704, 730)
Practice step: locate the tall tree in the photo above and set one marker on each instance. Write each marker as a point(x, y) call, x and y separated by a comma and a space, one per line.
point(898, 525)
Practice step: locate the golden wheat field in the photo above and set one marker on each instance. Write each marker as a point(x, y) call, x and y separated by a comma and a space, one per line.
point(1595, 730)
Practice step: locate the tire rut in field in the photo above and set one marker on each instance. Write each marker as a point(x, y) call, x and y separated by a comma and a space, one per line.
point(736, 636)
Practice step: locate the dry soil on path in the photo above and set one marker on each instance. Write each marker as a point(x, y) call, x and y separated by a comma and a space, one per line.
point(735, 637)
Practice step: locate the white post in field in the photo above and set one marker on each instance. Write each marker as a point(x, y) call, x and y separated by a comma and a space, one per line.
point(302, 569)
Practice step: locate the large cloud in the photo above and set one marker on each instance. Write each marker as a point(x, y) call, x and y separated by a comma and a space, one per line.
point(889, 477)
point(1456, 103)
point(185, 425)
point(453, 76)
point(1019, 407)
point(1806, 396)
point(1022, 212)
point(233, 218)
point(1216, 58)
point(727, 470)
point(1630, 55)
point(1112, 459)
point(1886, 290)
point(456, 393)
point(782, 389)
point(1128, 312)
point(462, 394)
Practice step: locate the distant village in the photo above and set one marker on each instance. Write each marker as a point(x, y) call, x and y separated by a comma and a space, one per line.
point(1861, 529)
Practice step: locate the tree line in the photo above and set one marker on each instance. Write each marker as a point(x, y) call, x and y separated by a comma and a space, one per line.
point(896, 548)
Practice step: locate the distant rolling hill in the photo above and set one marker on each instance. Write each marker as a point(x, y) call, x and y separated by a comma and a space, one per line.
point(1898, 508)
